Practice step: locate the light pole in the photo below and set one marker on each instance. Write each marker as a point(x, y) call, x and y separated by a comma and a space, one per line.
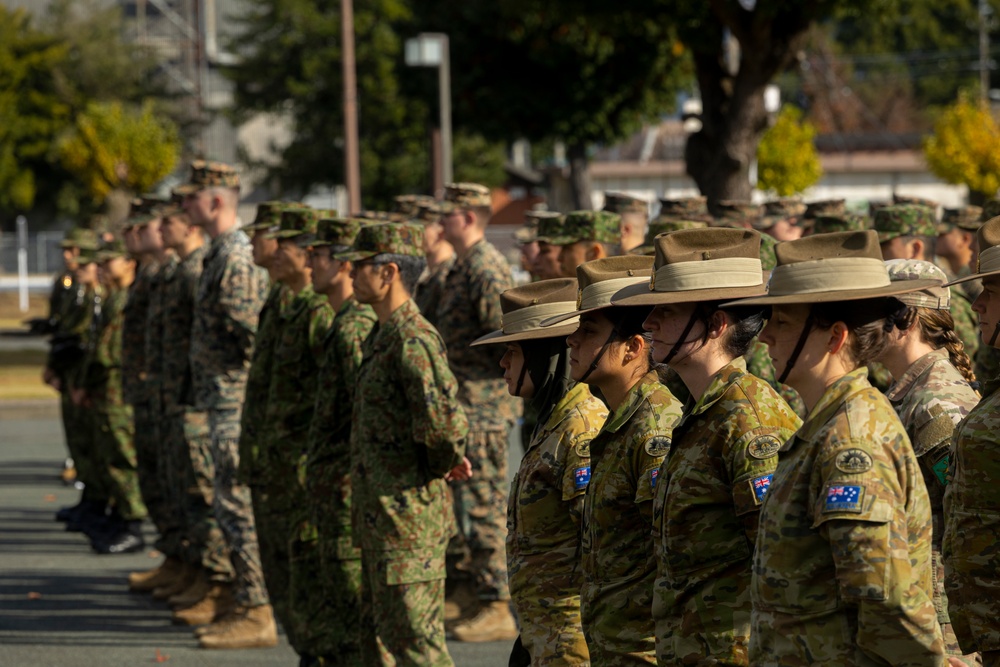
point(352, 160)
point(430, 49)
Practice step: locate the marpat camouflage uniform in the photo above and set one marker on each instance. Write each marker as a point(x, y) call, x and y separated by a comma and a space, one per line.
point(408, 430)
point(430, 289)
point(617, 550)
point(543, 530)
point(708, 497)
point(931, 398)
point(231, 292)
point(842, 570)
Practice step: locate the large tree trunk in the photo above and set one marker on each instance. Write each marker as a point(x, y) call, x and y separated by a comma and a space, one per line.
point(579, 176)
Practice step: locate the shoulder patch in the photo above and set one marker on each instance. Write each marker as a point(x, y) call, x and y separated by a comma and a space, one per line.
point(843, 498)
point(934, 432)
point(583, 449)
point(763, 447)
point(940, 469)
point(853, 461)
point(657, 445)
point(759, 486)
point(653, 476)
point(581, 477)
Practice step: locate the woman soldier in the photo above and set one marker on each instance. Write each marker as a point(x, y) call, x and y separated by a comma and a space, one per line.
point(842, 568)
point(546, 495)
point(724, 450)
point(932, 394)
point(609, 351)
point(972, 497)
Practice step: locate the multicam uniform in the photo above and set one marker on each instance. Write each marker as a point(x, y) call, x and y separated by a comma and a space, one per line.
point(842, 570)
point(617, 553)
point(407, 431)
point(543, 530)
point(705, 513)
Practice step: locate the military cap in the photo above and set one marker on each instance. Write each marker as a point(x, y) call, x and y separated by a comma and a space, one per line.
point(662, 226)
point(99, 223)
point(598, 226)
point(427, 213)
point(600, 279)
point(686, 208)
point(111, 250)
point(904, 220)
point(80, 237)
point(526, 306)
point(780, 209)
point(966, 217)
point(532, 223)
point(298, 221)
point(404, 238)
point(381, 216)
point(269, 215)
point(845, 222)
point(205, 174)
point(339, 232)
point(408, 205)
point(937, 297)
point(732, 211)
point(988, 263)
point(141, 219)
point(148, 203)
point(876, 206)
point(458, 196)
point(87, 256)
point(621, 202)
point(820, 207)
point(825, 268)
point(991, 209)
point(700, 265)
point(916, 201)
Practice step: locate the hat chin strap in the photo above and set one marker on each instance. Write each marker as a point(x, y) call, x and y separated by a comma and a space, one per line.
point(520, 379)
point(682, 339)
point(996, 331)
point(600, 355)
point(806, 330)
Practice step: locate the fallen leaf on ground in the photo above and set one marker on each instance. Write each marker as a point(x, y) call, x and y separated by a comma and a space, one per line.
point(160, 657)
point(154, 554)
point(50, 498)
point(34, 595)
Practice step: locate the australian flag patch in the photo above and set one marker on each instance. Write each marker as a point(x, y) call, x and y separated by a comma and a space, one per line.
point(582, 477)
point(841, 498)
point(653, 474)
point(760, 485)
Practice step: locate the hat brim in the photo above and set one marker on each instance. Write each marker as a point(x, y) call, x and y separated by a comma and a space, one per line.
point(281, 234)
point(354, 256)
point(568, 316)
point(185, 189)
point(646, 250)
point(974, 276)
point(641, 295)
point(558, 240)
point(497, 337)
point(838, 295)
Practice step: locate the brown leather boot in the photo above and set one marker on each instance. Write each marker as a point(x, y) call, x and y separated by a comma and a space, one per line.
point(462, 603)
point(165, 572)
point(178, 584)
point(219, 622)
point(494, 622)
point(253, 627)
point(193, 594)
point(215, 604)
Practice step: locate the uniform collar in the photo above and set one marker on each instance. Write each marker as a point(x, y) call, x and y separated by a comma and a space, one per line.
point(830, 402)
point(902, 386)
point(633, 399)
point(719, 385)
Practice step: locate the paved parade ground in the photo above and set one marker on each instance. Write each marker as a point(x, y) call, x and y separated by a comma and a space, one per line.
point(63, 606)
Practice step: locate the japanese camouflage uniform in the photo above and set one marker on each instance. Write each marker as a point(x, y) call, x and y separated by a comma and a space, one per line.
point(545, 506)
point(469, 308)
point(597, 226)
point(720, 461)
point(777, 210)
point(848, 222)
point(972, 503)
point(408, 430)
point(685, 208)
point(431, 284)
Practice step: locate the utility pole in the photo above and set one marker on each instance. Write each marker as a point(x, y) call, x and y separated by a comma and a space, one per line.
point(352, 158)
point(984, 51)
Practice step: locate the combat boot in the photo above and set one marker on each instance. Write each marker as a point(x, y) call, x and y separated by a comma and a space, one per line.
point(193, 594)
point(145, 582)
point(252, 627)
point(218, 623)
point(462, 603)
point(126, 540)
point(216, 603)
point(494, 622)
point(179, 584)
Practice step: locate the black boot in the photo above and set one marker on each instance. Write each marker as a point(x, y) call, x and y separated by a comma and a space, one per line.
point(93, 513)
point(67, 513)
point(126, 541)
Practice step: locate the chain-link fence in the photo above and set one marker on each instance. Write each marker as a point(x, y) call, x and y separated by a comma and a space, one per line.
point(44, 253)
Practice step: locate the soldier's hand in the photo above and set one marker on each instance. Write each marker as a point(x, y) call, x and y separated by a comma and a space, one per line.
point(50, 378)
point(461, 472)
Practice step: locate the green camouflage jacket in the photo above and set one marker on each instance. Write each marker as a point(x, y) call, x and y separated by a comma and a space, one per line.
point(102, 375)
point(617, 550)
point(157, 314)
point(543, 529)
point(842, 568)
point(708, 496)
point(135, 366)
point(179, 291)
point(430, 289)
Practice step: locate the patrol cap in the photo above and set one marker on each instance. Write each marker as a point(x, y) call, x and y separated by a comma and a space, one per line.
point(965, 217)
point(622, 202)
point(685, 208)
point(738, 212)
point(458, 196)
point(427, 213)
point(876, 206)
point(904, 220)
point(824, 268)
point(408, 205)
point(820, 207)
point(381, 216)
point(600, 279)
point(845, 222)
point(662, 226)
point(526, 306)
point(405, 238)
point(142, 219)
point(915, 201)
point(700, 265)
point(533, 223)
point(937, 297)
point(988, 263)
point(991, 209)
point(269, 215)
point(598, 226)
point(87, 256)
point(298, 221)
point(80, 237)
point(111, 250)
point(147, 203)
point(338, 232)
point(780, 209)
point(205, 174)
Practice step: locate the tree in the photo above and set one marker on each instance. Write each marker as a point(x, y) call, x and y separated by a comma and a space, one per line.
point(962, 149)
point(787, 162)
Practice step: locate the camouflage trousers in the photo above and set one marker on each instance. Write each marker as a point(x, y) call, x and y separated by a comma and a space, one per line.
point(480, 503)
point(271, 512)
point(191, 468)
point(233, 510)
point(115, 450)
point(78, 423)
point(403, 594)
point(153, 479)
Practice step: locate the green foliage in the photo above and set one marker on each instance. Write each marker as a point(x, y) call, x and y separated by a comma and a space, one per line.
point(962, 149)
point(113, 147)
point(787, 161)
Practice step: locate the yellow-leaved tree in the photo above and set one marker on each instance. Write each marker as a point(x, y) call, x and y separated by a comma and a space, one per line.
point(111, 147)
point(787, 161)
point(963, 148)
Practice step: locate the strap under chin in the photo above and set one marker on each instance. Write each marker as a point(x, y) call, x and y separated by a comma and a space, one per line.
point(683, 337)
point(996, 331)
point(806, 329)
point(597, 359)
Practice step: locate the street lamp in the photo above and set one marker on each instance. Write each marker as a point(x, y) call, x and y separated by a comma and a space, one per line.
point(430, 49)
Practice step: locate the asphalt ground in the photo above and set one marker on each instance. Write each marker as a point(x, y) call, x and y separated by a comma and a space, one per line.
point(61, 605)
